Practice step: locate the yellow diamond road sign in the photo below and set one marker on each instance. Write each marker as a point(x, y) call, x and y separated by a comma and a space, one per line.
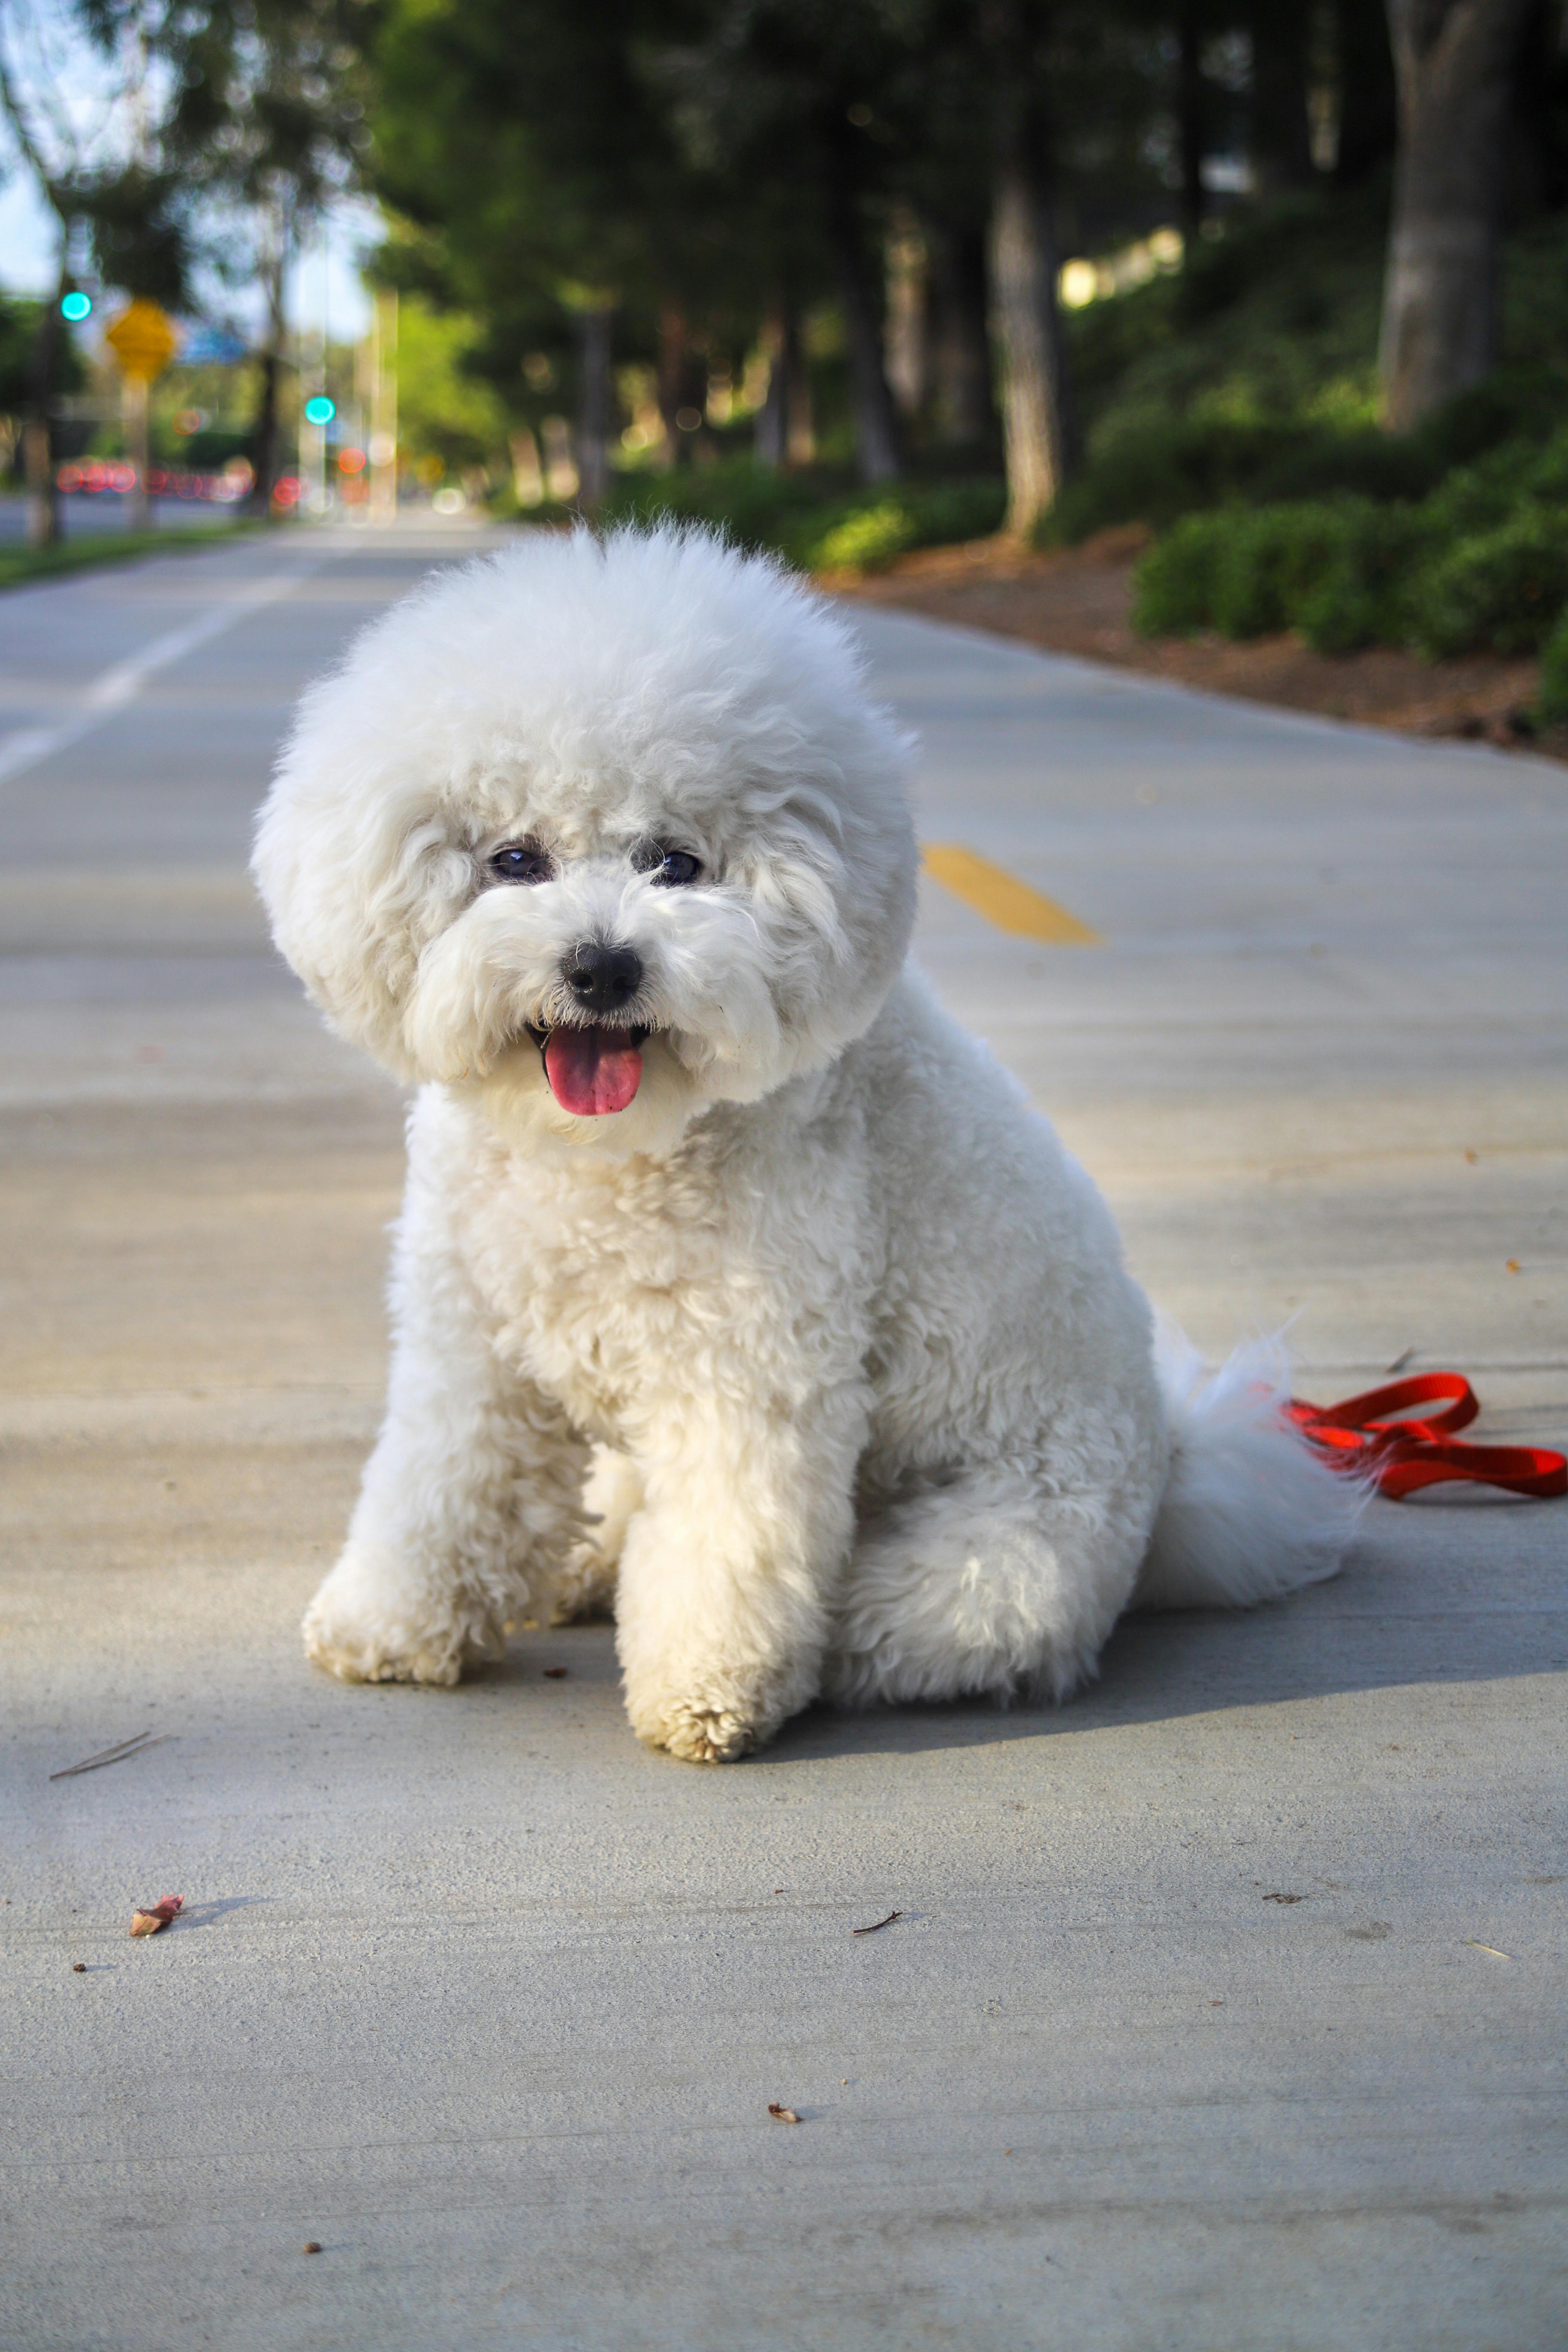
point(143, 340)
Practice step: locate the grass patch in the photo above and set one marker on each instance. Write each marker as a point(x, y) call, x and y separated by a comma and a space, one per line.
point(21, 567)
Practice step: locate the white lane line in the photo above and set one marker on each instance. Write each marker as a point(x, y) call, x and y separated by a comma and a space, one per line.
point(114, 688)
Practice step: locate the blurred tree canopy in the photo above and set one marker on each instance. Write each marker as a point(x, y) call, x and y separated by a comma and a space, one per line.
point(837, 226)
point(674, 183)
point(218, 130)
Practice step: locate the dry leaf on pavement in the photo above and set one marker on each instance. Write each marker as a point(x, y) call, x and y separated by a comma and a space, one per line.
point(158, 1915)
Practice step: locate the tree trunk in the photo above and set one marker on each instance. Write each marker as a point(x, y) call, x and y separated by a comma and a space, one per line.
point(799, 422)
point(37, 433)
point(961, 346)
point(137, 399)
point(1028, 334)
point(1190, 121)
point(264, 433)
point(876, 426)
point(680, 388)
point(906, 338)
point(593, 408)
point(1367, 131)
point(774, 444)
point(264, 458)
point(1451, 60)
point(1281, 140)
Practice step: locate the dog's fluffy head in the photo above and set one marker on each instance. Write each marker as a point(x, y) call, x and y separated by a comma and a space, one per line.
point(649, 745)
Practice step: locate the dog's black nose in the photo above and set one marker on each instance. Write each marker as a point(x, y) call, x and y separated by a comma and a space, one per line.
point(600, 977)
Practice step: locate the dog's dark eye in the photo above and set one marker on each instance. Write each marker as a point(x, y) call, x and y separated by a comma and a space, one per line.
point(522, 861)
point(666, 867)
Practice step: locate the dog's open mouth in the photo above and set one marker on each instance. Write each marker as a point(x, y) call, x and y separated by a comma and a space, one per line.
point(592, 1071)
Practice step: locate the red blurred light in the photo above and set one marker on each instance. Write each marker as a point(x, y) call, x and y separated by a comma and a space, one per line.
point(351, 461)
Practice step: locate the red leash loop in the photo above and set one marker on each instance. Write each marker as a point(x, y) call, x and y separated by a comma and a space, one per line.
point(1377, 1432)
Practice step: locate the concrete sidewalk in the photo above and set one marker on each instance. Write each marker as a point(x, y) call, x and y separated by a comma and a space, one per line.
point(1226, 2004)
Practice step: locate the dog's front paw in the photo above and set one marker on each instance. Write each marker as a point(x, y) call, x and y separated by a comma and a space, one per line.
point(361, 1628)
point(701, 1731)
point(705, 1735)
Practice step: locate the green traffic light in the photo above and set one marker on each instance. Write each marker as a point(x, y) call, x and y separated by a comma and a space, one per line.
point(75, 306)
point(320, 411)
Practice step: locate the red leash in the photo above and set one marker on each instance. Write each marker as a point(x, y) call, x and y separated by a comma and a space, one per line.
point(1369, 1433)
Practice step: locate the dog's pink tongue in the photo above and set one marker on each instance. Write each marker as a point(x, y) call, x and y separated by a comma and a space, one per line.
point(592, 1071)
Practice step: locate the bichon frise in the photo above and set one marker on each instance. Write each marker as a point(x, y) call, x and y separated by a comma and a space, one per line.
point(733, 1280)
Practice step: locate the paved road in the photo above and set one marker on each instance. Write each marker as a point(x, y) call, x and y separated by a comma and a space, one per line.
point(1190, 2034)
point(82, 516)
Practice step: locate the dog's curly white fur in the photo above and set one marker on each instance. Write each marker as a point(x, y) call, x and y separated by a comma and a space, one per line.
point(877, 1406)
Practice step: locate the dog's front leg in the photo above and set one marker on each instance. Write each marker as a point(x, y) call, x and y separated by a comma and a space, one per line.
point(731, 1571)
point(470, 1502)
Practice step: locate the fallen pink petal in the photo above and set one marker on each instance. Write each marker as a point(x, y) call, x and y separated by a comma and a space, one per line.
point(157, 1915)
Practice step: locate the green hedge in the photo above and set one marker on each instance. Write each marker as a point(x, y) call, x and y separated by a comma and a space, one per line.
point(812, 521)
point(1554, 675)
point(1146, 472)
point(1501, 590)
point(1481, 564)
point(1338, 571)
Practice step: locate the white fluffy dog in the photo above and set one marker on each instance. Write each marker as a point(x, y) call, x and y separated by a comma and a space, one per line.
point(733, 1280)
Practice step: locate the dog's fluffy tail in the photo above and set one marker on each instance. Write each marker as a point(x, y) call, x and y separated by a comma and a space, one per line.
point(1250, 1510)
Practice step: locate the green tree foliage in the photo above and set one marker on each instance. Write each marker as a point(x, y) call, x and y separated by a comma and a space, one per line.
point(446, 411)
point(265, 127)
point(546, 184)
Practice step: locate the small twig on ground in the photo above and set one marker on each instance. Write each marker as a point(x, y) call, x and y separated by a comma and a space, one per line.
point(115, 1755)
point(1400, 1361)
point(876, 1924)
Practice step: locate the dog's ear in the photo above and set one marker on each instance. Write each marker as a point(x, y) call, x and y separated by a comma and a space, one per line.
point(835, 894)
point(356, 871)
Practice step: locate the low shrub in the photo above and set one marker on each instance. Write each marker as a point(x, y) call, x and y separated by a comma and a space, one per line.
point(1502, 589)
point(873, 536)
point(1150, 472)
point(811, 519)
point(1156, 472)
point(874, 527)
point(1554, 702)
point(1174, 586)
point(757, 507)
point(1362, 595)
point(1480, 496)
point(1272, 558)
point(1338, 570)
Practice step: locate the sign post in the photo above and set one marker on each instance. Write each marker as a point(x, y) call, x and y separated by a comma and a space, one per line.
point(143, 340)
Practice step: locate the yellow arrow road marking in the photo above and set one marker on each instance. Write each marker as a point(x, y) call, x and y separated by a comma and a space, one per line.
point(1003, 899)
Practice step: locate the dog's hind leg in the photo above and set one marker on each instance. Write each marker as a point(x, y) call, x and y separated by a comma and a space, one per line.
point(990, 1584)
point(586, 1586)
